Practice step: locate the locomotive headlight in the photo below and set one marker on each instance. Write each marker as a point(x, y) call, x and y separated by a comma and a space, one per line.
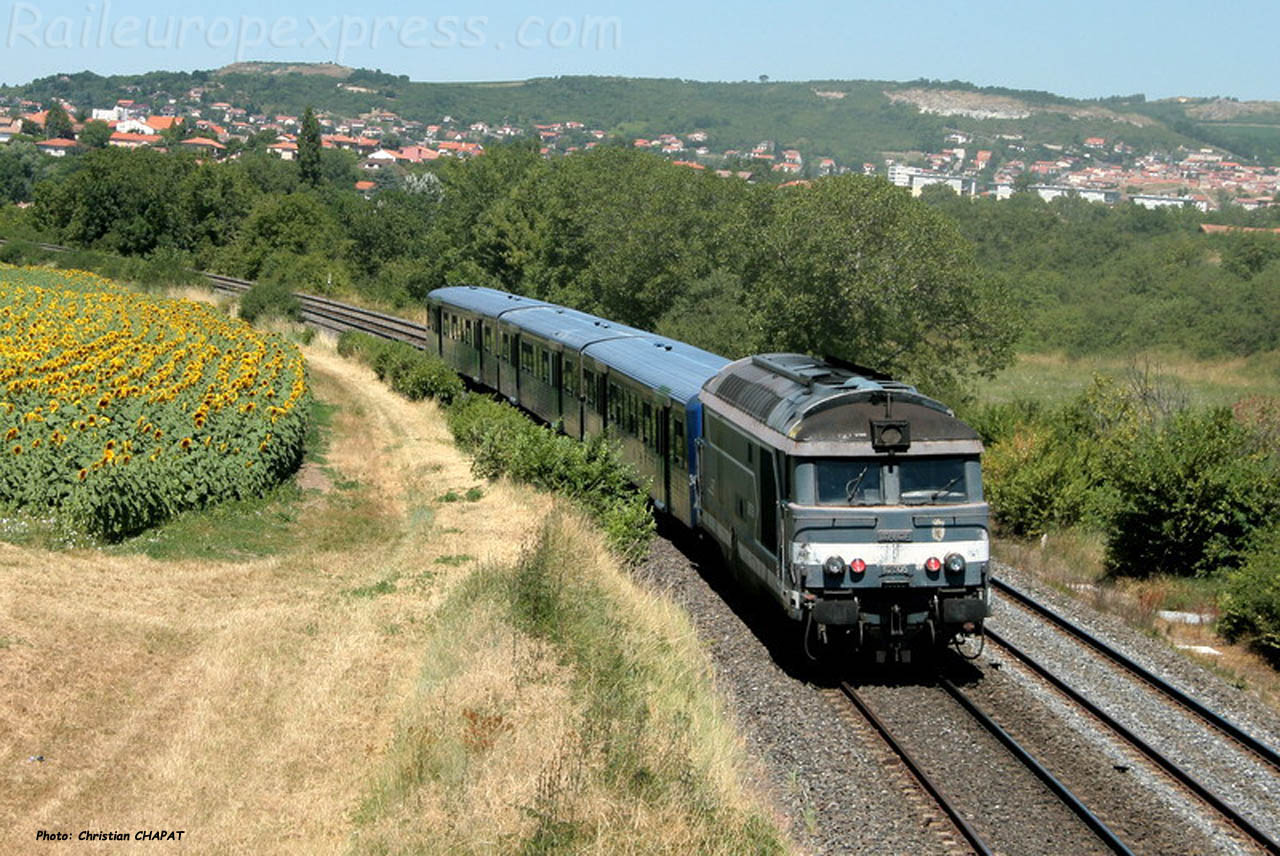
point(834, 566)
point(955, 563)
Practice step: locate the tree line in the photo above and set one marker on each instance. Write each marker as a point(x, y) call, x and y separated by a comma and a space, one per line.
point(1097, 279)
point(847, 266)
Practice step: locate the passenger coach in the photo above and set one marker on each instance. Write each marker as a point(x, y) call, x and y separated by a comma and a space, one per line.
point(587, 375)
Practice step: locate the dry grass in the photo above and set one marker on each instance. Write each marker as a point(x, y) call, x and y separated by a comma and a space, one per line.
point(367, 689)
point(1073, 561)
point(553, 737)
point(244, 702)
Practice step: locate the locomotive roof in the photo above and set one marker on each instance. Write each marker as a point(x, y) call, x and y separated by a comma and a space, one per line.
point(826, 408)
point(487, 301)
point(670, 367)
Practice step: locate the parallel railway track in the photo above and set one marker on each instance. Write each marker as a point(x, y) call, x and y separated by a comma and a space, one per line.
point(1205, 714)
point(1176, 772)
point(1174, 695)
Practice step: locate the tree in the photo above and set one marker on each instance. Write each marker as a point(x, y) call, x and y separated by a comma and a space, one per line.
point(614, 232)
point(853, 267)
point(57, 124)
point(294, 225)
point(95, 134)
point(120, 200)
point(21, 166)
point(309, 145)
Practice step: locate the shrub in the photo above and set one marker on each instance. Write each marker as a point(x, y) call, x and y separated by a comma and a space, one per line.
point(268, 300)
point(1039, 479)
point(311, 272)
point(1251, 601)
point(412, 373)
point(19, 252)
point(1189, 496)
point(592, 474)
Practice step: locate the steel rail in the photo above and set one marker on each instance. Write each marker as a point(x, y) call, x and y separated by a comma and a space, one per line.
point(1060, 790)
point(970, 834)
point(1154, 755)
point(1271, 756)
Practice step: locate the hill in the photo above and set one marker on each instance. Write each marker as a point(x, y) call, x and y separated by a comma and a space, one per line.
point(851, 120)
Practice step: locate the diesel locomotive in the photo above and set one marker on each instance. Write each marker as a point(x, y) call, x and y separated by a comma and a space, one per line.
point(852, 500)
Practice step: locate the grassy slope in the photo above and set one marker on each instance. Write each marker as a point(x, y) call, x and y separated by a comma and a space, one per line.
point(283, 693)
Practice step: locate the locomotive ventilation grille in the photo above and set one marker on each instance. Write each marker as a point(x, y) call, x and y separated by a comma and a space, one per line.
point(749, 396)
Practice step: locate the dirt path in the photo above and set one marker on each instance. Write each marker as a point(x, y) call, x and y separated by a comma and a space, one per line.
point(246, 703)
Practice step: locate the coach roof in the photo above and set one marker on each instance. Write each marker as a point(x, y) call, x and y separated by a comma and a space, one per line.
point(485, 301)
point(669, 367)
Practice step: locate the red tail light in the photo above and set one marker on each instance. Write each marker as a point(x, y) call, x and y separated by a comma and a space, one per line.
point(858, 566)
point(933, 564)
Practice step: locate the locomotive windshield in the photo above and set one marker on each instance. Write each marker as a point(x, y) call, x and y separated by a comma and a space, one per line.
point(929, 480)
point(849, 482)
point(882, 481)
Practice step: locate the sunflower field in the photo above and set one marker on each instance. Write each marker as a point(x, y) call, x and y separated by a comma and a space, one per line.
point(119, 410)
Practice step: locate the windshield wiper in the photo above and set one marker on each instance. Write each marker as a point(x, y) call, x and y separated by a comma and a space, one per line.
point(945, 488)
point(852, 485)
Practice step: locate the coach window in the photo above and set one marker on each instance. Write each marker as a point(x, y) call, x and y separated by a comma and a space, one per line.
point(526, 357)
point(646, 424)
point(677, 441)
point(615, 404)
point(488, 339)
point(589, 387)
point(569, 371)
point(544, 365)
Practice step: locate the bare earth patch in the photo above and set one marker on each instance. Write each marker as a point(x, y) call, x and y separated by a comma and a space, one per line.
point(248, 703)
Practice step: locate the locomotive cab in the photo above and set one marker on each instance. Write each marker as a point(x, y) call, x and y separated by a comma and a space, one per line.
point(855, 501)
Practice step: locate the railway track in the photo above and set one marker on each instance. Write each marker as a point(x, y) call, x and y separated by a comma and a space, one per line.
point(950, 805)
point(1214, 796)
point(1143, 747)
point(1175, 695)
point(320, 311)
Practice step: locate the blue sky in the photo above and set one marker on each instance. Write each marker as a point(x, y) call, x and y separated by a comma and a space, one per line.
point(1081, 48)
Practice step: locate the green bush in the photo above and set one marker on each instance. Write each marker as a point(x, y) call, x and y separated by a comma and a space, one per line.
point(409, 371)
point(1189, 496)
point(269, 299)
point(20, 253)
point(312, 273)
point(502, 441)
point(1251, 601)
point(1038, 479)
